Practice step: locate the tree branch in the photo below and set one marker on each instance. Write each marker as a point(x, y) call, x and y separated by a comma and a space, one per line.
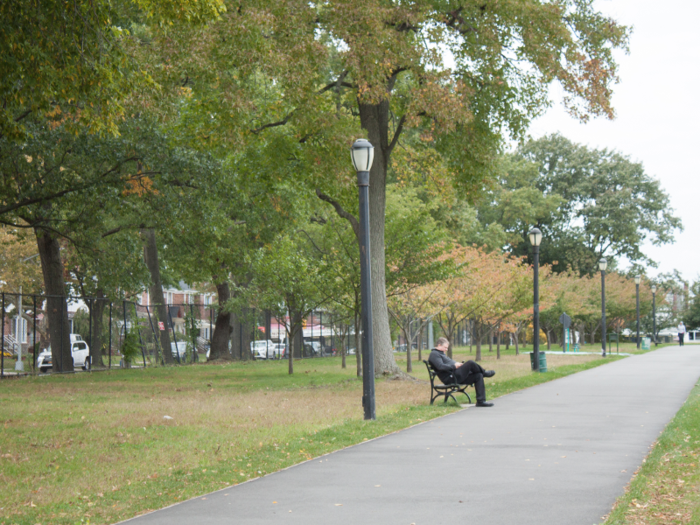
point(272, 124)
point(397, 133)
point(337, 84)
point(340, 82)
point(23, 115)
point(341, 212)
point(113, 231)
point(79, 187)
point(313, 243)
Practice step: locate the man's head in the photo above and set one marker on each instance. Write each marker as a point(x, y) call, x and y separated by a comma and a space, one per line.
point(442, 344)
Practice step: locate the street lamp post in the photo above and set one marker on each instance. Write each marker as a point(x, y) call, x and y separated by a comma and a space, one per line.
point(637, 280)
point(653, 313)
point(603, 264)
point(535, 236)
point(362, 153)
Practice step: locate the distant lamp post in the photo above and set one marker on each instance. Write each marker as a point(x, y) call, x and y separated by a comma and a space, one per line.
point(535, 236)
point(362, 153)
point(637, 280)
point(603, 265)
point(653, 312)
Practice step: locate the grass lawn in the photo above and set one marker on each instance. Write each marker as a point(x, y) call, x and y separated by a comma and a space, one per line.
point(98, 447)
point(666, 489)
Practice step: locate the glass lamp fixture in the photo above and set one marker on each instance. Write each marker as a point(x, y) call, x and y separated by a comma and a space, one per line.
point(362, 153)
point(535, 236)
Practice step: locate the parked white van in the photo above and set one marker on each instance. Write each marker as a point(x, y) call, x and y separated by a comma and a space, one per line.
point(79, 350)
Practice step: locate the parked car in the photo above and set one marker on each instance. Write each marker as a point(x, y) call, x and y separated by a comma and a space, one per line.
point(264, 349)
point(280, 350)
point(79, 350)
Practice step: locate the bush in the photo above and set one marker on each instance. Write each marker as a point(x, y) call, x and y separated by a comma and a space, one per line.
point(130, 348)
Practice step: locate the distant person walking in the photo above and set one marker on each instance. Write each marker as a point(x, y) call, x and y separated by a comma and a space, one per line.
point(681, 333)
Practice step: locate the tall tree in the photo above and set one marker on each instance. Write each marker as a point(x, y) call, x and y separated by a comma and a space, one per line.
point(325, 70)
point(608, 205)
point(291, 285)
point(79, 189)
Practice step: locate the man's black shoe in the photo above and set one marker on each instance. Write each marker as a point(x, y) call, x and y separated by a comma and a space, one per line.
point(489, 373)
point(483, 404)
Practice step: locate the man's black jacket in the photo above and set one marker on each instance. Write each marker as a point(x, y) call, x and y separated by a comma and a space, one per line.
point(444, 366)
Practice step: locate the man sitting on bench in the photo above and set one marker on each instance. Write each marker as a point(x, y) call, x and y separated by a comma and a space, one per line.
point(469, 373)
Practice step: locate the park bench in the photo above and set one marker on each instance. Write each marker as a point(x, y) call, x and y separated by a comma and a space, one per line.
point(437, 389)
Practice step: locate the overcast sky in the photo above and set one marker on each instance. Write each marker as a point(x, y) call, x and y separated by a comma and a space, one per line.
point(658, 115)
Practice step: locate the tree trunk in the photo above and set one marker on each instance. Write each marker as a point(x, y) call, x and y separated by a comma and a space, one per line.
point(490, 337)
point(409, 364)
point(471, 335)
point(477, 332)
point(343, 349)
point(97, 310)
point(56, 307)
point(375, 119)
point(150, 257)
point(420, 344)
point(222, 327)
point(409, 344)
point(517, 331)
point(449, 348)
point(498, 344)
point(297, 342)
point(549, 339)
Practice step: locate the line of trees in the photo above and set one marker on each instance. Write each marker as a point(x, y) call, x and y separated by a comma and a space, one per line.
point(491, 292)
point(143, 143)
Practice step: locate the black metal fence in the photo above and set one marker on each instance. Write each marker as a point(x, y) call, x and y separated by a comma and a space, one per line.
point(104, 334)
point(100, 328)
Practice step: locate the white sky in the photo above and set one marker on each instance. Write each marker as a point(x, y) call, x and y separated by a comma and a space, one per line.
point(658, 115)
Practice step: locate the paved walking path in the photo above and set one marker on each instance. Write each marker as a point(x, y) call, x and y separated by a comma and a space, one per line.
point(557, 453)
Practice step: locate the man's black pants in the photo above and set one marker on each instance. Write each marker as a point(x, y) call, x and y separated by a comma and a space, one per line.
point(680, 339)
point(471, 373)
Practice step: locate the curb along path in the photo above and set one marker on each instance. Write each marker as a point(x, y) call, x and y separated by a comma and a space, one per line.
point(559, 452)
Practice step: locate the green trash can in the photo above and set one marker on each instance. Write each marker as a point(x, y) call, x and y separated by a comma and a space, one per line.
point(543, 361)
